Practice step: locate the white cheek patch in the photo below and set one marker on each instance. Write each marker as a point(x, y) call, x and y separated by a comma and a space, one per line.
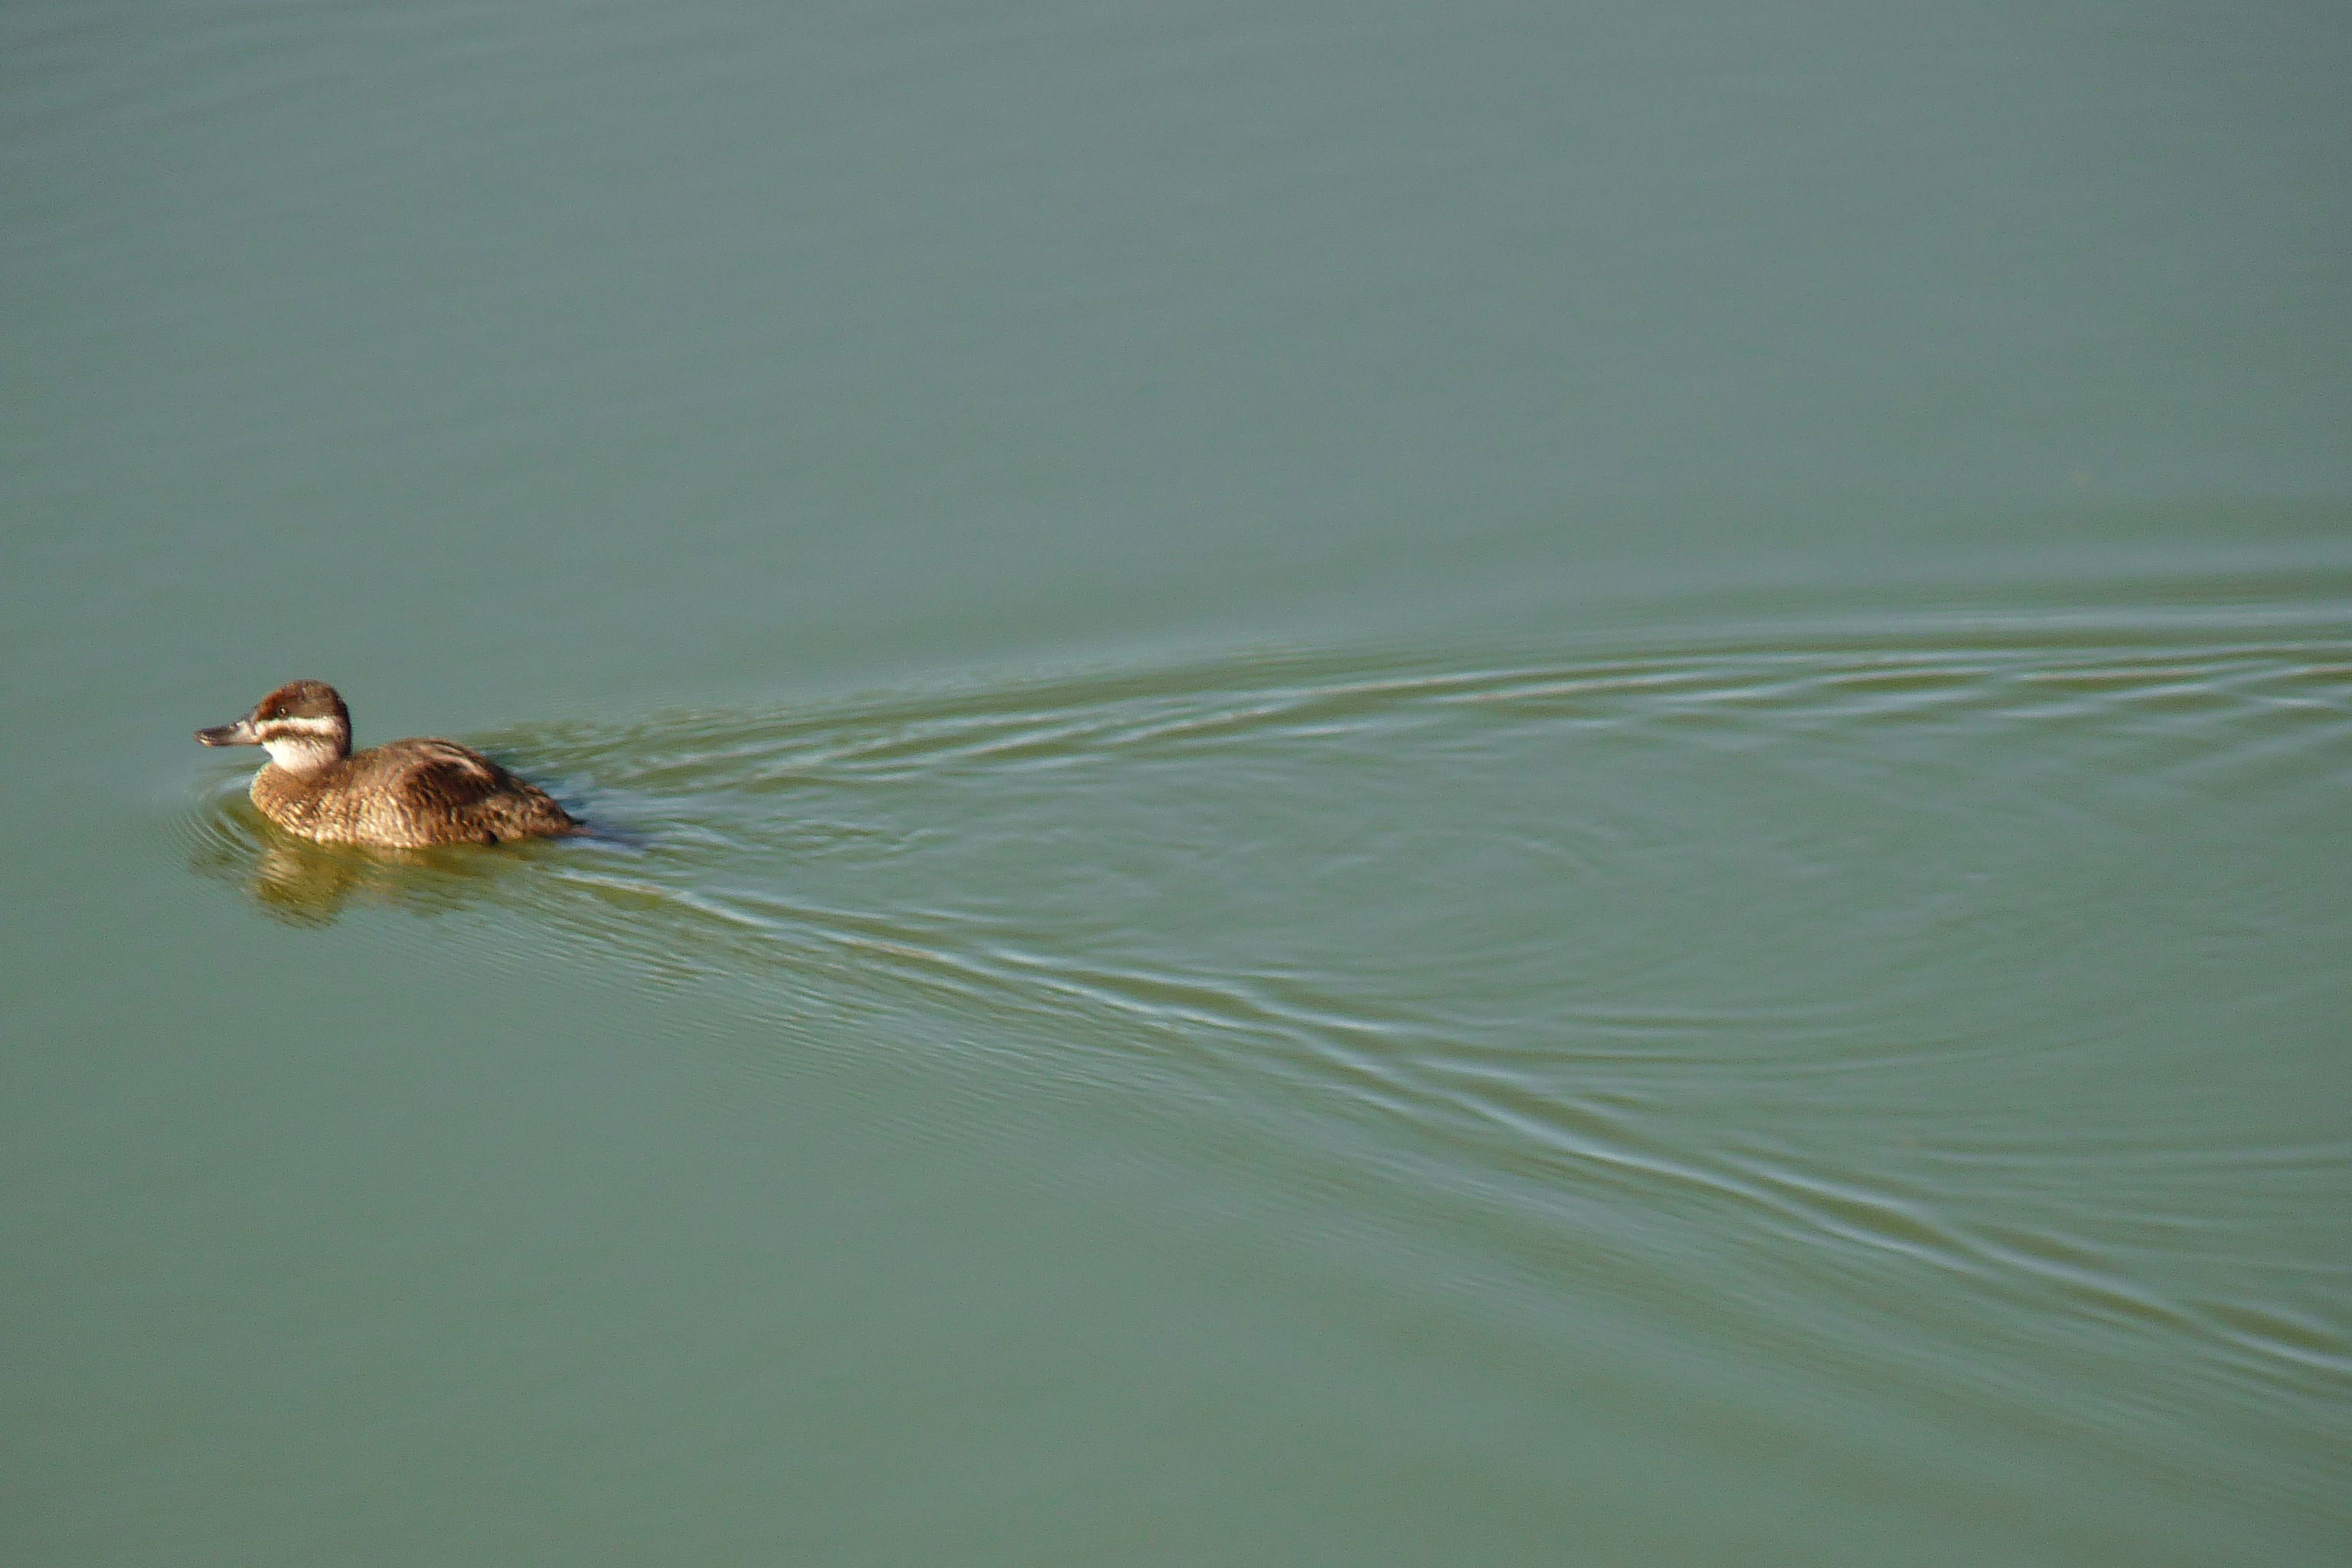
point(325, 729)
point(300, 753)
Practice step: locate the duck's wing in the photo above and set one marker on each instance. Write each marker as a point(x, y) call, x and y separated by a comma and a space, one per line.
point(441, 776)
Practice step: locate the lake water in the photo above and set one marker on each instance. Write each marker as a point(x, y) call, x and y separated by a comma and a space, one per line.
point(1388, 784)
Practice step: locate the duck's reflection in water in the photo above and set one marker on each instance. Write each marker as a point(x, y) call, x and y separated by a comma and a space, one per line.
point(307, 884)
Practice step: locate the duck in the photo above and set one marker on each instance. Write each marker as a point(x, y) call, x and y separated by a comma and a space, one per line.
point(406, 794)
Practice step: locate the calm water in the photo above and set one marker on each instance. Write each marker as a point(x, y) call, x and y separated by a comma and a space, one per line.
point(1389, 784)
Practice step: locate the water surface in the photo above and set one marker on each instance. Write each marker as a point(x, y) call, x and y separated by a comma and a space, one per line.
point(1382, 785)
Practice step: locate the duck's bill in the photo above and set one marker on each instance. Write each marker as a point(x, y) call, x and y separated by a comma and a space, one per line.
point(237, 734)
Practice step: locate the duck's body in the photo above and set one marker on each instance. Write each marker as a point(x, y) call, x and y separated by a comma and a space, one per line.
point(406, 794)
point(402, 796)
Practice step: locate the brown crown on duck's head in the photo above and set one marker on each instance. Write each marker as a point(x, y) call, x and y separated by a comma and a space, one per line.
point(302, 699)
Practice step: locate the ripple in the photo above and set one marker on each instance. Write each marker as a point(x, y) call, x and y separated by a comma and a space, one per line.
point(1742, 925)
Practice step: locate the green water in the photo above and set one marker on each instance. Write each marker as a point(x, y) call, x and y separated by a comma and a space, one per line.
point(1386, 785)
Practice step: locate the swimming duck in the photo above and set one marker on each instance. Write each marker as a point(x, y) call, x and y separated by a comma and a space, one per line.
point(402, 796)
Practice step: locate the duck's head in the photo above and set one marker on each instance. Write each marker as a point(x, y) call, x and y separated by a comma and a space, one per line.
point(303, 725)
